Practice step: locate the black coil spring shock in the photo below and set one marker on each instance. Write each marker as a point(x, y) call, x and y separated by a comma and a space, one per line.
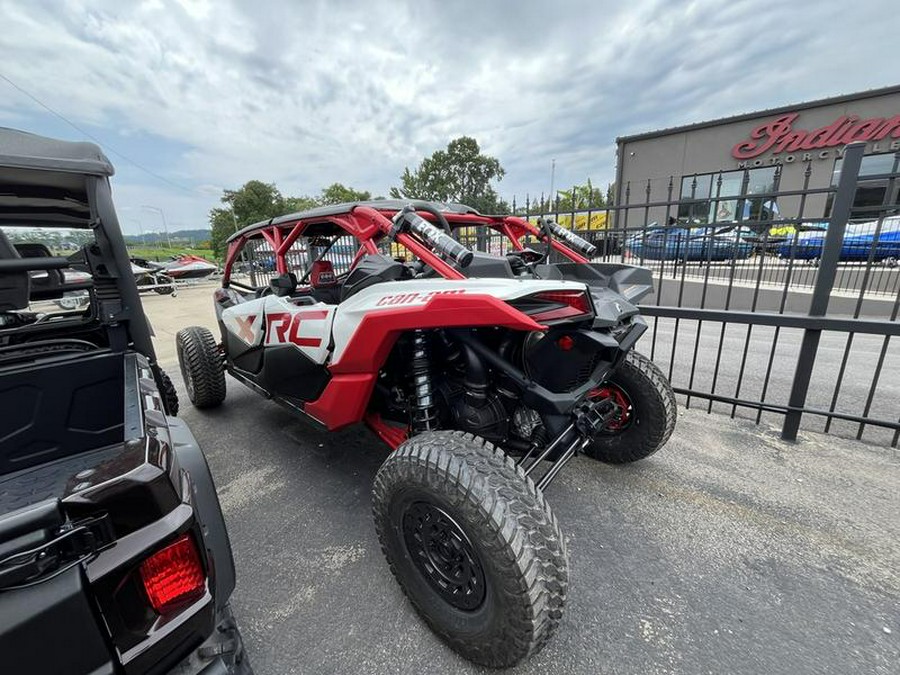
point(424, 417)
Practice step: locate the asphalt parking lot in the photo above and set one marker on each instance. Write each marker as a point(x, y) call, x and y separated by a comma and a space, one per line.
point(728, 552)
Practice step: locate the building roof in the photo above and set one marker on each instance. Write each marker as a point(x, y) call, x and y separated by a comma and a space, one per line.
point(843, 98)
point(21, 150)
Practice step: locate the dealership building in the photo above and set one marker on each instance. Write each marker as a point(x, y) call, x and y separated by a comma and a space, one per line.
point(714, 168)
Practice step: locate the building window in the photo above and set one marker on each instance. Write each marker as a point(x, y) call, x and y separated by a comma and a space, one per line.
point(728, 196)
point(877, 191)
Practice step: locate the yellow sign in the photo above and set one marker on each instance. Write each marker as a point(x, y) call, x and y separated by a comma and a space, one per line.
point(598, 221)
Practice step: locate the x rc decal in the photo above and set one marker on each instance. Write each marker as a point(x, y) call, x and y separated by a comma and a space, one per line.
point(245, 327)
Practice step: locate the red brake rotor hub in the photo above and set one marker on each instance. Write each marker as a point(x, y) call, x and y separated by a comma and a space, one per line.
point(620, 398)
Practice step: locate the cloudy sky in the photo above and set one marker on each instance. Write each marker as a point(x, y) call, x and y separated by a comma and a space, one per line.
point(204, 95)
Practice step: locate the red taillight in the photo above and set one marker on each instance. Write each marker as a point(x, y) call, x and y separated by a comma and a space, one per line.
point(174, 575)
point(575, 303)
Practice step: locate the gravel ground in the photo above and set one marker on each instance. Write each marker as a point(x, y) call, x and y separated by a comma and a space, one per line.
point(728, 551)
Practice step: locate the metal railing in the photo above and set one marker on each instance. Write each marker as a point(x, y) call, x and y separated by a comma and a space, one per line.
point(787, 316)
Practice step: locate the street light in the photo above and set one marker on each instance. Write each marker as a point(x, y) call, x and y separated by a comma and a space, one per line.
point(141, 229)
point(165, 225)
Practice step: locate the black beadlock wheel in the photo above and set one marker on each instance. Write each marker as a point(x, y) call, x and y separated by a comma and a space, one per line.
point(473, 544)
point(201, 366)
point(647, 412)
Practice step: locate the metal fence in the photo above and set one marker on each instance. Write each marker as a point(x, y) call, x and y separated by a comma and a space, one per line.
point(767, 315)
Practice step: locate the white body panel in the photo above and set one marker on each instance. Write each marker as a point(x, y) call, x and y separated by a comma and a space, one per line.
point(393, 294)
point(279, 321)
point(313, 328)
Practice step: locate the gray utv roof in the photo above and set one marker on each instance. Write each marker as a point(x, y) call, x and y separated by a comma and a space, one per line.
point(325, 212)
point(21, 150)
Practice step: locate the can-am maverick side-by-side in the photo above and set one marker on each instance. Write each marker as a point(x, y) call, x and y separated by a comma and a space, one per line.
point(485, 374)
point(114, 556)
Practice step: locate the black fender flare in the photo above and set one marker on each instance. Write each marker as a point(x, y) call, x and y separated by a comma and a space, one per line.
point(207, 510)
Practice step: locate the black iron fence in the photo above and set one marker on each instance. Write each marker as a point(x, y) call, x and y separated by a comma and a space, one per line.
point(766, 314)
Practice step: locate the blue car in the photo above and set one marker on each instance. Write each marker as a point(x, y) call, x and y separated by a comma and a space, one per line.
point(688, 245)
point(859, 241)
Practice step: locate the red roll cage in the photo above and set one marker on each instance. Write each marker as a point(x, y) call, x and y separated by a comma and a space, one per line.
point(369, 224)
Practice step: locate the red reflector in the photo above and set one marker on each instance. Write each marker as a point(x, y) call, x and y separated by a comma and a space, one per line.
point(566, 343)
point(174, 575)
point(575, 303)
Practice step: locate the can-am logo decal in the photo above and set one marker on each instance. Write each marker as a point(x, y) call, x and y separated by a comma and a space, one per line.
point(779, 135)
point(284, 328)
point(411, 298)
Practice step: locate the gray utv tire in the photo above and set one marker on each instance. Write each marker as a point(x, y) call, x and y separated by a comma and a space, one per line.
point(651, 413)
point(201, 366)
point(473, 545)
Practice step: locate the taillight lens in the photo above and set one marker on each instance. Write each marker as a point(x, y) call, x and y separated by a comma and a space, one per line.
point(556, 305)
point(173, 576)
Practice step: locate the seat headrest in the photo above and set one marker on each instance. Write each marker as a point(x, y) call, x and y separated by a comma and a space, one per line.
point(284, 285)
point(322, 274)
point(15, 287)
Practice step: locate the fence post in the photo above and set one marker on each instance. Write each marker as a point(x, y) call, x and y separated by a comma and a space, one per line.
point(818, 306)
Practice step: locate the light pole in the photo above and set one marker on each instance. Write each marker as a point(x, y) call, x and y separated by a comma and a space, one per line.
point(552, 181)
point(141, 230)
point(165, 224)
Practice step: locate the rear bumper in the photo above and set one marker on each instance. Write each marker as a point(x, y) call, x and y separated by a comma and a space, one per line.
point(221, 654)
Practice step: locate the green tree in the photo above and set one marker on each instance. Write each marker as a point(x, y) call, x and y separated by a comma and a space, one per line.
point(222, 224)
point(253, 202)
point(458, 174)
point(338, 194)
point(297, 204)
point(581, 197)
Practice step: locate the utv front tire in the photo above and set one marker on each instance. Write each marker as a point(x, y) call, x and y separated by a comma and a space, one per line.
point(201, 366)
point(648, 412)
point(473, 544)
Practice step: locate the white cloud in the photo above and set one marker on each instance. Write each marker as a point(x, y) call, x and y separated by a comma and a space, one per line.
point(305, 94)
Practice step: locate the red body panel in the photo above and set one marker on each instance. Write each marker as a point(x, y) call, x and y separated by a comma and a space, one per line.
point(389, 433)
point(344, 400)
point(373, 339)
point(347, 395)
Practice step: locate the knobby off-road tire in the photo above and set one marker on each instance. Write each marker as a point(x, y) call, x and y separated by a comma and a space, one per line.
point(447, 495)
point(650, 419)
point(168, 392)
point(201, 366)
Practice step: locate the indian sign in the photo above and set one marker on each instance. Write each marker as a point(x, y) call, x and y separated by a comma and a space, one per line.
point(779, 136)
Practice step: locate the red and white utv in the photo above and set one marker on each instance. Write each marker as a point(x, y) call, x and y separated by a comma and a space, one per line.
point(484, 373)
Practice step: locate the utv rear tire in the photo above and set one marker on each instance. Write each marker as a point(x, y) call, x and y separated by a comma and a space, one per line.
point(201, 366)
point(651, 418)
point(473, 545)
point(169, 394)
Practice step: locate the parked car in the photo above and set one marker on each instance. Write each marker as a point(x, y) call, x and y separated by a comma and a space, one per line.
point(858, 244)
point(694, 244)
point(484, 373)
point(114, 556)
